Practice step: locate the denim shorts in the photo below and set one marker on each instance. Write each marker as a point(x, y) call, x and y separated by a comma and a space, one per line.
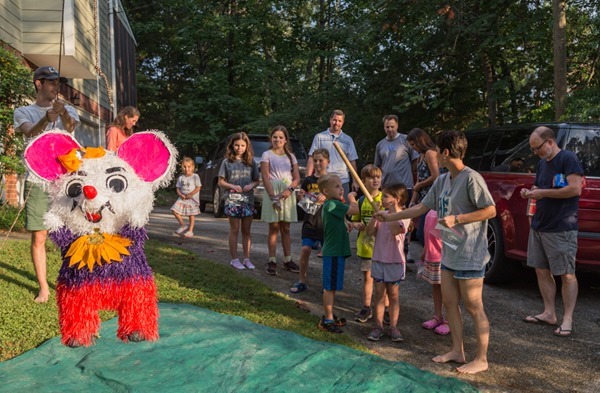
point(312, 243)
point(465, 274)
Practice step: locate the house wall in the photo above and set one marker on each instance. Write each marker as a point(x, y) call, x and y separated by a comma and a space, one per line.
point(10, 20)
point(33, 29)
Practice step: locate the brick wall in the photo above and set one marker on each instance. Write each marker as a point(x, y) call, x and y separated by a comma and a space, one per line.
point(11, 192)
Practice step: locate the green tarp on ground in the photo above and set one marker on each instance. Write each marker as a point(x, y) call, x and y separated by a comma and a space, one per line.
point(203, 351)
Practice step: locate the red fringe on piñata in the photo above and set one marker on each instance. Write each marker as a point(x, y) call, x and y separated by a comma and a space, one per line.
point(134, 300)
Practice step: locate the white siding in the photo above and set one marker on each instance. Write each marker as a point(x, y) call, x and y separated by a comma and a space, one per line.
point(10, 23)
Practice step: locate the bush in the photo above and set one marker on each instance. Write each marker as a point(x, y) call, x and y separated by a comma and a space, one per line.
point(8, 215)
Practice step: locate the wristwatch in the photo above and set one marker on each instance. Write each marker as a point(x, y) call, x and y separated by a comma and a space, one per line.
point(291, 189)
point(456, 220)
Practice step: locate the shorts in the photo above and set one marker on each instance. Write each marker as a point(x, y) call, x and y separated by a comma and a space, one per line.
point(552, 250)
point(239, 210)
point(432, 272)
point(365, 264)
point(333, 273)
point(36, 206)
point(312, 243)
point(465, 274)
point(389, 273)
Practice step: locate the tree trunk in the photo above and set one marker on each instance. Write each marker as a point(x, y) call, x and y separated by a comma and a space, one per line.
point(560, 57)
point(488, 71)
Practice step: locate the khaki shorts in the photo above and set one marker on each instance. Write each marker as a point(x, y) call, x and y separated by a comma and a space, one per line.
point(365, 264)
point(552, 250)
point(36, 206)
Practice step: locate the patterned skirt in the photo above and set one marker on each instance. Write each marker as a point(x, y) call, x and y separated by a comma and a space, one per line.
point(186, 207)
point(432, 272)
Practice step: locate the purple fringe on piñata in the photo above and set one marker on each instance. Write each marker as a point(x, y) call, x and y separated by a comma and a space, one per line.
point(132, 266)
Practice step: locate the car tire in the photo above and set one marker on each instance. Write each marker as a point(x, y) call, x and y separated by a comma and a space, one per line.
point(499, 269)
point(202, 206)
point(217, 203)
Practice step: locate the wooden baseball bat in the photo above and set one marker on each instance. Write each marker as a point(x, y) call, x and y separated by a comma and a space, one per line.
point(356, 177)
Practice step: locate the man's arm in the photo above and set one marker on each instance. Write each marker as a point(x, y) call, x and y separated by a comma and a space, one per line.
point(355, 185)
point(31, 130)
point(573, 188)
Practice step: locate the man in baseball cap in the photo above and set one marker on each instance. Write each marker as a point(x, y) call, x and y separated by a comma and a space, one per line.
point(46, 113)
point(49, 73)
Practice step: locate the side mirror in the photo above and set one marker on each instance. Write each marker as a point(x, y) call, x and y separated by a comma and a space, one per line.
point(199, 160)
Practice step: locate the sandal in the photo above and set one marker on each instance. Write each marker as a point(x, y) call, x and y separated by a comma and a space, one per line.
point(298, 287)
point(432, 323)
point(443, 329)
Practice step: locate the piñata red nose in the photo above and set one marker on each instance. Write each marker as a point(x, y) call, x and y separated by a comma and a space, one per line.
point(90, 192)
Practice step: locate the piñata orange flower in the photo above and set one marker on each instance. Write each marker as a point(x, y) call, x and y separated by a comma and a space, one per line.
point(94, 152)
point(96, 248)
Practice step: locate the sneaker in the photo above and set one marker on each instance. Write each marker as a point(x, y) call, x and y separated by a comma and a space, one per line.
point(235, 263)
point(375, 334)
point(396, 335)
point(339, 322)
point(181, 230)
point(291, 266)
point(386, 317)
point(188, 234)
point(248, 264)
point(272, 268)
point(329, 326)
point(364, 315)
point(298, 287)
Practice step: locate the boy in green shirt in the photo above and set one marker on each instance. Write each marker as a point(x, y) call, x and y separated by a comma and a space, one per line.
point(336, 246)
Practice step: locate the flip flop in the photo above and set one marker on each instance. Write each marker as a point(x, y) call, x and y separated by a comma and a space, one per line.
point(563, 332)
point(537, 321)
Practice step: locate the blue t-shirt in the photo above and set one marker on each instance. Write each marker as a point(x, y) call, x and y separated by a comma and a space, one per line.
point(556, 214)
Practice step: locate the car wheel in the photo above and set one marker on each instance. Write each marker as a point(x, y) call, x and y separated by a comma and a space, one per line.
point(499, 269)
point(202, 206)
point(217, 205)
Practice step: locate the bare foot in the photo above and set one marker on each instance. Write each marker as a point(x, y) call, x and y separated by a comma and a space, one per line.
point(42, 296)
point(473, 367)
point(451, 356)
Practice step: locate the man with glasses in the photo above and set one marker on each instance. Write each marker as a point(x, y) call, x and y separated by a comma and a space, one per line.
point(552, 242)
point(46, 113)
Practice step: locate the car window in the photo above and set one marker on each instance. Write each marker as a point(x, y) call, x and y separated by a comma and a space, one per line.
point(586, 144)
point(481, 149)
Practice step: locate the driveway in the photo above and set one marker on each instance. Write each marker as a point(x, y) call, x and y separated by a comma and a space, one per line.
point(523, 357)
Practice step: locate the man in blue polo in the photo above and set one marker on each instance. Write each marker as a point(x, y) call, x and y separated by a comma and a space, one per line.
point(324, 140)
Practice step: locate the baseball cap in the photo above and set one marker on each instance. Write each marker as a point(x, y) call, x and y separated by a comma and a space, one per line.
point(49, 73)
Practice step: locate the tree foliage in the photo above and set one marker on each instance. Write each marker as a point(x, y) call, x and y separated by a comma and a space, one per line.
point(15, 89)
point(209, 68)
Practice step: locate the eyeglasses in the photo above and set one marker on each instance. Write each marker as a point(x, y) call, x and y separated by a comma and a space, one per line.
point(536, 149)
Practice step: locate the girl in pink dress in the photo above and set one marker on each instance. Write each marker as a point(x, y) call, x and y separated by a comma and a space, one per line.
point(432, 273)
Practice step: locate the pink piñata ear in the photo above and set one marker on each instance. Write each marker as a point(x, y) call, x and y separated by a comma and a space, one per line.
point(42, 152)
point(148, 154)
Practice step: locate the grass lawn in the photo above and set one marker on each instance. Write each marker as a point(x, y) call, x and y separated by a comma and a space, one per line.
point(182, 277)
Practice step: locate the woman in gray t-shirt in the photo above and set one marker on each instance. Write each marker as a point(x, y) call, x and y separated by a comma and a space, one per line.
point(463, 204)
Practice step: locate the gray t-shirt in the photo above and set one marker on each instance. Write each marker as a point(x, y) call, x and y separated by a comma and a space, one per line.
point(240, 174)
point(395, 158)
point(467, 248)
point(33, 113)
